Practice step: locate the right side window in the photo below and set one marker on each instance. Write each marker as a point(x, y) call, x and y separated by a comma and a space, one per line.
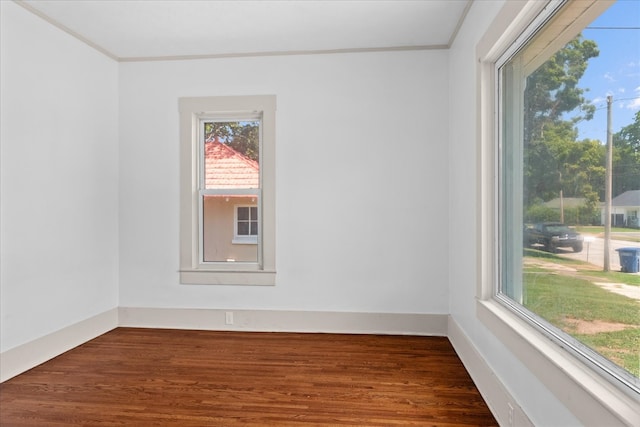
point(561, 161)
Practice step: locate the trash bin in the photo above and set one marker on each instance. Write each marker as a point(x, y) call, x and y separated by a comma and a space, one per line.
point(629, 259)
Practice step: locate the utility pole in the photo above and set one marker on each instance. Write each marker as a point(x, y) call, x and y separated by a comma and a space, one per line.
point(561, 199)
point(607, 188)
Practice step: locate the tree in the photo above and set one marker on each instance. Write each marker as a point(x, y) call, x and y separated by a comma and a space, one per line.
point(240, 135)
point(551, 93)
point(626, 158)
point(586, 174)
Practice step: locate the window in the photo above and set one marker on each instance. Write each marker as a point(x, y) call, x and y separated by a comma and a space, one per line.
point(227, 190)
point(246, 225)
point(541, 105)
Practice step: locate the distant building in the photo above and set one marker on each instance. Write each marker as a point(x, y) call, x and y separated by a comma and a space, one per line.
point(624, 209)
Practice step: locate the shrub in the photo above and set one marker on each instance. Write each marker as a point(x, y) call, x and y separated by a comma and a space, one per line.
point(581, 215)
point(541, 213)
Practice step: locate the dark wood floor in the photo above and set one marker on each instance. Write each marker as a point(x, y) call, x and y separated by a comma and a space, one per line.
point(145, 377)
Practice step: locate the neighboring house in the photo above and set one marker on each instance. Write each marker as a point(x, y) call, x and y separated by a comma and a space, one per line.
point(230, 220)
point(625, 209)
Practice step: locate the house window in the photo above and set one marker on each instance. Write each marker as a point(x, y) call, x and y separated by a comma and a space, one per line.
point(227, 190)
point(539, 102)
point(246, 225)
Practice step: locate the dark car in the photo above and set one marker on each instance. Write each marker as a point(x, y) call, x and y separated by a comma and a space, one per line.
point(553, 235)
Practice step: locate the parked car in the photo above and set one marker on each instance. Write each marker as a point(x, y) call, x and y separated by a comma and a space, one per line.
point(553, 235)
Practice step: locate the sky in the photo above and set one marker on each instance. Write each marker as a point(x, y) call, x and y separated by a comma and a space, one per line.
point(616, 71)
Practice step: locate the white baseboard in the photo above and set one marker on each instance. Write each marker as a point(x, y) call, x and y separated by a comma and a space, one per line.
point(26, 356)
point(285, 321)
point(502, 405)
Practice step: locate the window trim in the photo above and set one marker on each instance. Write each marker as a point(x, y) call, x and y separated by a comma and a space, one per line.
point(587, 394)
point(192, 269)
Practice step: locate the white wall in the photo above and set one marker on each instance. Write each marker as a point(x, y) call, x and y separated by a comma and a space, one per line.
point(540, 405)
point(361, 181)
point(59, 179)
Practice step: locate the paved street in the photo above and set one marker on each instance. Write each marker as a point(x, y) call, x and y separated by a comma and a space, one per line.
point(593, 252)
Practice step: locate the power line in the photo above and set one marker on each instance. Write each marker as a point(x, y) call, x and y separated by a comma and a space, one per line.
point(626, 99)
point(612, 28)
point(618, 100)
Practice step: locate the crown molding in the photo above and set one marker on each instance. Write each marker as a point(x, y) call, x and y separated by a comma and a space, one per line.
point(117, 58)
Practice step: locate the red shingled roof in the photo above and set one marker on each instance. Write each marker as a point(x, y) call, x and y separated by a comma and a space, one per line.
point(226, 168)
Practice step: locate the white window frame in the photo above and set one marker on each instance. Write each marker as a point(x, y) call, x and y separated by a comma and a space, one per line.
point(193, 270)
point(244, 239)
point(581, 387)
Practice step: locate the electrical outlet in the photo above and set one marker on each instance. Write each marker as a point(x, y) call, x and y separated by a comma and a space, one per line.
point(510, 406)
point(228, 317)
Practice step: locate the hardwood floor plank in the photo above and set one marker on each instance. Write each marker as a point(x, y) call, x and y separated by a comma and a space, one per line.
point(202, 378)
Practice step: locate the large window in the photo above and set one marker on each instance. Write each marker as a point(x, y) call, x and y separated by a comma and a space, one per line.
point(551, 185)
point(228, 190)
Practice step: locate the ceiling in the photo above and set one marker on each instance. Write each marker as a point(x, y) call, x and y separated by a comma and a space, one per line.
point(136, 30)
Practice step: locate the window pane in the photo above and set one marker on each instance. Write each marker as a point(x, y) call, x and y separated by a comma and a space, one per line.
point(254, 228)
point(231, 154)
point(230, 161)
point(243, 213)
point(243, 228)
point(219, 231)
point(552, 186)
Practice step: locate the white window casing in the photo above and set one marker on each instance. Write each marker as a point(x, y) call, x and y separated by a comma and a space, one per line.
point(193, 268)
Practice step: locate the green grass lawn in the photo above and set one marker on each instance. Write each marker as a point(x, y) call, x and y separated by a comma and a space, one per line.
point(617, 233)
point(597, 229)
point(559, 299)
point(615, 277)
point(570, 301)
point(620, 347)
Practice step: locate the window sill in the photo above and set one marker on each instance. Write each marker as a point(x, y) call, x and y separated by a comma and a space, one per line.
point(242, 241)
point(591, 398)
point(228, 277)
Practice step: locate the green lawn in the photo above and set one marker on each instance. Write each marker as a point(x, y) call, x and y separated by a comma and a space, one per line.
point(617, 233)
point(621, 347)
point(597, 229)
point(559, 299)
point(570, 301)
point(615, 277)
